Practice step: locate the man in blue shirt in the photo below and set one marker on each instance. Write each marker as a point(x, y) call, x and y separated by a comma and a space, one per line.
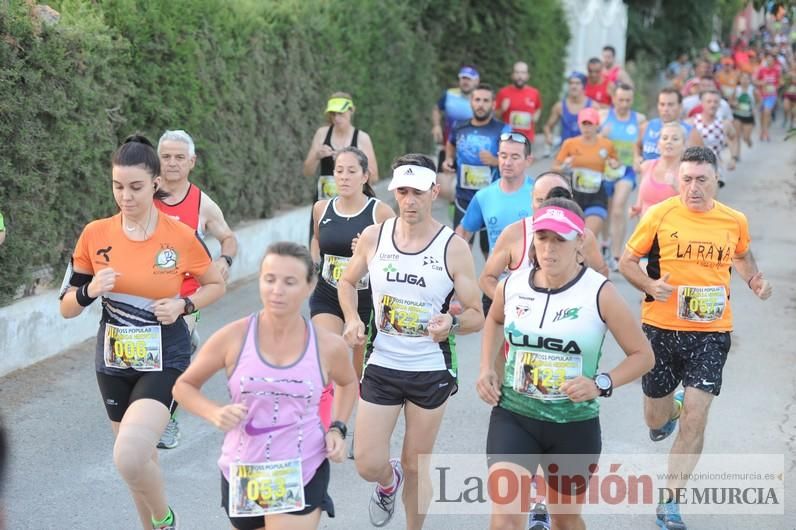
point(472, 150)
point(506, 200)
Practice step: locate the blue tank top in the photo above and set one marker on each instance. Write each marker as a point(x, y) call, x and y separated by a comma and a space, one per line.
point(472, 174)
point(623, 134)
point(569, 121)
point(495, 209)
point(650, 149)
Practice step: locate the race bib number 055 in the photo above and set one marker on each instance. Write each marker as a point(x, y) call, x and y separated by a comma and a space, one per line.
point(139, 348)
point(701, 304)
point(539, 375)
point(403, 317)
point(260, 489)
point(333, 269)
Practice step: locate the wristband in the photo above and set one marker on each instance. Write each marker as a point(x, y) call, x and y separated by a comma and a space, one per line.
point(340, 427)
point(749, 283)
point(228, 259)
point(82, 296)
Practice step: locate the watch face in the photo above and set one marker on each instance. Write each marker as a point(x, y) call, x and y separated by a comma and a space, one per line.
point(603, 382)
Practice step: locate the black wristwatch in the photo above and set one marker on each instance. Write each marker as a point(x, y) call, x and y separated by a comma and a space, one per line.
point(455, 324)
point(189, 307)
point(340, 427)
point(228, 259)
point(604, 384)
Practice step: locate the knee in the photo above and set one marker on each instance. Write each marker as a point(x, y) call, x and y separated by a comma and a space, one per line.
point(370, 469)
point(692, 425)
point(130, 458)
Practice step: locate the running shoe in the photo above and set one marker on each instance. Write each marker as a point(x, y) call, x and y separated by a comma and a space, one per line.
point(669, 516)
point(169, 526)
point(539, 517)
point(171, 435)
point(382, 505)
point(656, 435)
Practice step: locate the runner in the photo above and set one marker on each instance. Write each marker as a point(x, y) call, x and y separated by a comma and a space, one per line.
point(187, 203)
point(669, 110)
point(743, 108)
point(587, 157)
point(519, 105)
point(693, 242)
point(727, 78)
point(692, 105)
point(456, 107)
point(338, 223)
point(415, 264)
point(274, 460)
point(767, 80)
point(338, 134)
point(717, 133)
point(621, 124)
point(658, 177)
point(789, 96)
point(136, 261)
point(613, 72)
point(598, 88)
point(471, 152)
point(505, 200)
point(567, 111)
point(535, 419)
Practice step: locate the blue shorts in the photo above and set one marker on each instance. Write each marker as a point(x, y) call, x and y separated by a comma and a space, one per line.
point(769, 102)
point(596, 211)
point(630, 176)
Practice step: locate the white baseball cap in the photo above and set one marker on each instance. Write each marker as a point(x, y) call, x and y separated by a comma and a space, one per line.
point(412, 176)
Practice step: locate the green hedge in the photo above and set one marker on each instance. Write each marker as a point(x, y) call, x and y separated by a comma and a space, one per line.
point(247, 78)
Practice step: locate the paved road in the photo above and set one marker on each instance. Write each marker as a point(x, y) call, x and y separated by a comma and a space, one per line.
point(62, 474)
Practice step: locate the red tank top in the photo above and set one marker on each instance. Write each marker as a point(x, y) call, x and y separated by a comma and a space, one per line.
point(186, 211)
point(598, 92)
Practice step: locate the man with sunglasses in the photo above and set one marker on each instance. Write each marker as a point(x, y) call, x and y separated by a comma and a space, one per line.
point(505, 200)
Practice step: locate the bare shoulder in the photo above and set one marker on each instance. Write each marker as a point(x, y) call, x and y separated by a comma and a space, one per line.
point(383, 211)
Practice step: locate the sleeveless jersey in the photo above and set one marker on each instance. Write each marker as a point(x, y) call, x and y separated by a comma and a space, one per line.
point(409, 289)
point(186, 211)
point(569, 121)
point(326, 186)
point(335, 232)
point(494, 209)
point(554, 335)
point(282, 422)
point(598, 92)
point(624, 135)
point(745, 102)
point(527, 241)
point(649, 149)
point(712, 134)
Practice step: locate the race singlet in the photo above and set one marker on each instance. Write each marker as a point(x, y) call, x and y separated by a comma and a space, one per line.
point(327, 189)
point(701, 304)
point(139, 348)
point(402, 317)
point(520, 120)
point(333, 268)
point(586, 180)
point(475, 177)
point(743, 107)
point(256, 490)
point(539, 375)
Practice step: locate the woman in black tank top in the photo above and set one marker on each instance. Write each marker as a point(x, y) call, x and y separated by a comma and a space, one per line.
point(337, 223)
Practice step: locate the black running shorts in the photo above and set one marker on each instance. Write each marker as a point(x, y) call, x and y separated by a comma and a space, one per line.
point(694, 357)
point(118, 391)
point(385, 386)
point(316, 495)
point(562, 449)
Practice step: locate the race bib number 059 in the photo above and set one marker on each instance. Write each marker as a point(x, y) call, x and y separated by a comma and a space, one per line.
point(701, 304)
point(139, 348)
point(403, 317)
point(260, 489)
point(539, 375)
point(333, 269)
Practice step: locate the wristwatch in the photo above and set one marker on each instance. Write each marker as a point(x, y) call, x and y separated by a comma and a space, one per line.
point(189, 307)
point(340, 427)
point(228, 259)
point(455, 324)
point(604, 384)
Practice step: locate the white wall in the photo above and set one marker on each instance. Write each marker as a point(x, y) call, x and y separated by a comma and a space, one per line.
point(594, 24)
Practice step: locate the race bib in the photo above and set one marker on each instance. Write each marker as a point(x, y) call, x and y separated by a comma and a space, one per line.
point(701, 304)
point(770, 89)
point(520, 120)
point(475, 177)
point(614, 174)
point(625, 152)
point(333, 269)
point(327, 189)
point(261, 489)
point(139, 348)
point(728, 91)
point(586, 180)
point(402, 317)
point(744, 108)
point(539, 375)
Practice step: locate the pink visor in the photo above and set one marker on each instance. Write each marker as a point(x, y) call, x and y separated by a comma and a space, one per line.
point(559, 220)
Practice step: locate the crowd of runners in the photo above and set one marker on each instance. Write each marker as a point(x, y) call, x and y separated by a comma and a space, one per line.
point(389, 291)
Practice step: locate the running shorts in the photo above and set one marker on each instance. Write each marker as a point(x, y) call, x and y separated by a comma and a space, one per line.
point(769, 102)
point(630, 176)
point(529, 443)
point(385, 386)
point(316, 495)
point(118, 391)
point(694, 357)
point(593, 204)
point(324, 301)
point(748, 120)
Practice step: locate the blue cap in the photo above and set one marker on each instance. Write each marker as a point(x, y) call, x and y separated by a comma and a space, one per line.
point(577, 75)
point(468, 71)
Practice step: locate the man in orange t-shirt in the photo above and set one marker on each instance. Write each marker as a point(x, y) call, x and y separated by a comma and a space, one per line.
point(692, 243)
point(519, 105)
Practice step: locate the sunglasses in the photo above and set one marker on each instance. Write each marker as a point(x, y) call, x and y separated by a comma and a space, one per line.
point(514, 137)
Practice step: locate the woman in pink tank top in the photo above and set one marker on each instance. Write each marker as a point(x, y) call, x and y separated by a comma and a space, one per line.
point(659, 176)
point(274, 460)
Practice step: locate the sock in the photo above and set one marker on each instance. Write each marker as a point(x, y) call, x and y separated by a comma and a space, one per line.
point(169, 519)
point(389, 490)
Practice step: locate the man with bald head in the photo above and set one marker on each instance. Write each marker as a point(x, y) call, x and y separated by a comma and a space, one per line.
point(519, 105)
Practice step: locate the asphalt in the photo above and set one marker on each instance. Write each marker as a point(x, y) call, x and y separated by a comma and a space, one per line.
point(62, 474)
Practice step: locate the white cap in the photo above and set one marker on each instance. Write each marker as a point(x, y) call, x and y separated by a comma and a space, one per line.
point(411, 176)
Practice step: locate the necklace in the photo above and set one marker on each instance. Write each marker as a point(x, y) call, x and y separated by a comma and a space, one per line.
point(133, 228)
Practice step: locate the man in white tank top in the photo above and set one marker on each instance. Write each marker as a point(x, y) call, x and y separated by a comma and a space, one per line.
point(416, 264)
